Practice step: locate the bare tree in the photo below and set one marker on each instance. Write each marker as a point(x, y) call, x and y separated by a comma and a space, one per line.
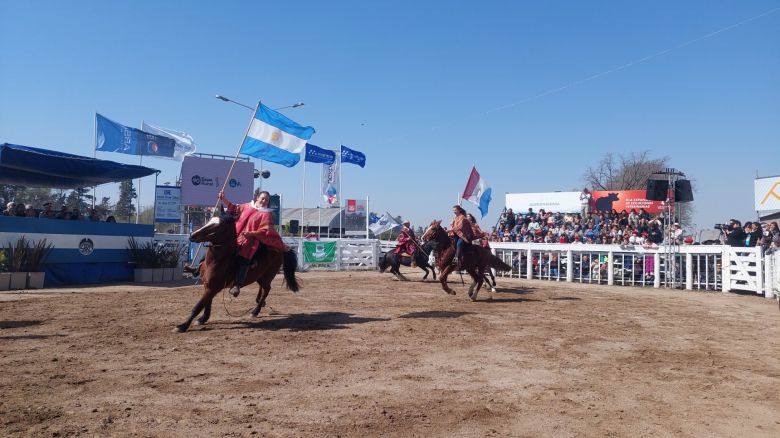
point(631, 172)
point(624, 172)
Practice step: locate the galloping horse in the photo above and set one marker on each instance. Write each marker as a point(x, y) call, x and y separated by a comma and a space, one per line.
point(392, 260)
point(218, 269)
point(476, 259)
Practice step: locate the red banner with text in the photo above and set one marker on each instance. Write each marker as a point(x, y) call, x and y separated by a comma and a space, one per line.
point(606, 201)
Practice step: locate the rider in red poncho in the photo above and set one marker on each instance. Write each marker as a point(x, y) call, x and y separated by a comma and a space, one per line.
point(254, 226)
point(406, 242)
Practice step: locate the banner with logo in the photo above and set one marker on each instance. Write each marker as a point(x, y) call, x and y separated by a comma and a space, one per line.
point(355, 216)
point(606, 201)
point(556, 202)
point(166, 204)
point(319, 252)
point(767, 193)
point(202, 178)
point(330, 184)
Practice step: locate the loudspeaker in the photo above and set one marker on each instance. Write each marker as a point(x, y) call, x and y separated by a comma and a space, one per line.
point(682, 191)
point(657, 189)
point(293, 226)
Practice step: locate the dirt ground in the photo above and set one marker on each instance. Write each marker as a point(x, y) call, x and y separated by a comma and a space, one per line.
point(362, 354)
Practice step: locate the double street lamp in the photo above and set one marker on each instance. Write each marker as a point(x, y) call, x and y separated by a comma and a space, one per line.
point(225, 99)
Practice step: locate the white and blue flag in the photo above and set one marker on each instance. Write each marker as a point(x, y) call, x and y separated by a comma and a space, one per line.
point(274, 137)
point(477, 192)
point(384, 223)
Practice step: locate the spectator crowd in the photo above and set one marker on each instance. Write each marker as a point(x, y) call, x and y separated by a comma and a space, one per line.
point(22, 210)
point(620, 228)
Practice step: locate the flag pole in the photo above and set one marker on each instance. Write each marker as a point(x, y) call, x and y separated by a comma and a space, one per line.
point(241, 145)
point(341, 194)
point(303, 196)
point(138, 203)
point(367, 210)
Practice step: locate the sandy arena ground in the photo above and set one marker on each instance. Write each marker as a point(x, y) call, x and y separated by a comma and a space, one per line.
point(362, 354)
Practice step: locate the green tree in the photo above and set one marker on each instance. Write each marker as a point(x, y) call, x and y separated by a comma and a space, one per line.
point(125, 209)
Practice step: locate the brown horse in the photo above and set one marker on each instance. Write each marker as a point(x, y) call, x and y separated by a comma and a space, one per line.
point(476, 259)
point(218, 269)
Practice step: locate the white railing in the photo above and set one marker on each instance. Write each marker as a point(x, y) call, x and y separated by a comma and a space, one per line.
point(351, 254)
point(772, 274)
point(696, 267)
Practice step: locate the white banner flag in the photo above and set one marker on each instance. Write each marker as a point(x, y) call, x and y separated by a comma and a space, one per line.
point(330, 184)
point(386, 222)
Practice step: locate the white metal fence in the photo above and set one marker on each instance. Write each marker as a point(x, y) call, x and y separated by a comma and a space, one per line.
point(697, 267)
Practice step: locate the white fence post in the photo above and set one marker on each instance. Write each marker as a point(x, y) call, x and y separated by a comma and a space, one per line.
point(529, 265)
point(689, 271)
point(656, 270)
point(610, 268)
point(569, 266)
point(725, 269)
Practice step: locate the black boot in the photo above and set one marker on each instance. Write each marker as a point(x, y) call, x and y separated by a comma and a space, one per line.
point(459, 258)
point(243, 267)
point(194, 271)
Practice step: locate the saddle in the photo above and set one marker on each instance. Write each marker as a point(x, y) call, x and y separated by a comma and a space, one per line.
point(405, 254)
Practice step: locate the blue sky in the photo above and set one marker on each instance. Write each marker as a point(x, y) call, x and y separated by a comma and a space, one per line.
point(424, 89)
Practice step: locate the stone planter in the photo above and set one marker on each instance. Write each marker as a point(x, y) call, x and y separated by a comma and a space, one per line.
point(168, 274)
point(35, 280)
point(5, 280)
point(18, 280)
point(143, 275)
point(157, 275)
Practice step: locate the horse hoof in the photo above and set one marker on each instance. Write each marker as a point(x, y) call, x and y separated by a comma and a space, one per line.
point(492, 289)
point(179, 329)
point(199, 322)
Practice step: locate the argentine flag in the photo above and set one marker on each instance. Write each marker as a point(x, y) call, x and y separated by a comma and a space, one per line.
point(477, 192)
point(274, 137)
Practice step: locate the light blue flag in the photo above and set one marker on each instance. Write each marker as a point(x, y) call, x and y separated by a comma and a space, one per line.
point(274, 137)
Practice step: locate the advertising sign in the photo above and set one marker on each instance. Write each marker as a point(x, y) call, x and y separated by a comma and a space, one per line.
point(319, 252)
point(166, 204)
point(355, 216)
point(767, 193)
point(202, 178)
point(330, 184)
point(563, 202)
point(606, 201)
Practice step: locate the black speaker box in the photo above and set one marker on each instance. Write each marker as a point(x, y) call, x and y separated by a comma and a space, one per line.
point(657, 189)
point(682, 191)
point(294, 226)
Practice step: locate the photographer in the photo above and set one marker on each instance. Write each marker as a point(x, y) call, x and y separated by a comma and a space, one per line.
point(735, 235)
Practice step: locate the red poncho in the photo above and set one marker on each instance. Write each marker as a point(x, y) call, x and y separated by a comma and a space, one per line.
point(254, 227)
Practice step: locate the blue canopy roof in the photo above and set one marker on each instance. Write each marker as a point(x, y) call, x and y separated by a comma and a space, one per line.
point(24, 165)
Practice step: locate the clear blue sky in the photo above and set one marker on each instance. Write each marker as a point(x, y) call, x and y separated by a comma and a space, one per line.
point(413, 85)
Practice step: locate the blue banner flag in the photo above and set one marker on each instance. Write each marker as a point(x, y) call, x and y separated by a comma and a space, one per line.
point(110, 136)
point(274, 137)
point(350, 156)
point(316, 154)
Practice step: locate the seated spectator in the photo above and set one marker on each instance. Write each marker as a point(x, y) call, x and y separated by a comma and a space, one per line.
point(47, 212)
point(29, 211)
point(93, 215)
point(111, 219)
point(10, 209)
point(21, 210)
point(63, 213)
point(75, 215)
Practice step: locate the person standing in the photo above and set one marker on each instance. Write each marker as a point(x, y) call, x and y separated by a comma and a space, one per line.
point(253, 227)
point(585, 199)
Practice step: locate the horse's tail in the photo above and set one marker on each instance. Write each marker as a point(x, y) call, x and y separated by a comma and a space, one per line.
point(498, 264)
point(290, 264)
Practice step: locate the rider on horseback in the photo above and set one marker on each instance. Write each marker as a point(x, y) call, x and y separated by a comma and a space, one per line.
point(461, 231)
point(406, 242)
point(253, 227)
point(479, 235)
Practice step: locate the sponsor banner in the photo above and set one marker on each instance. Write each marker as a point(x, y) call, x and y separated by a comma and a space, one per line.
point(330, 184)
point(767, 193)
point(202, 178)
point(166, 204)
point(563, 202)
point(355, 215)
point(319, 252)
point(606, 201)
